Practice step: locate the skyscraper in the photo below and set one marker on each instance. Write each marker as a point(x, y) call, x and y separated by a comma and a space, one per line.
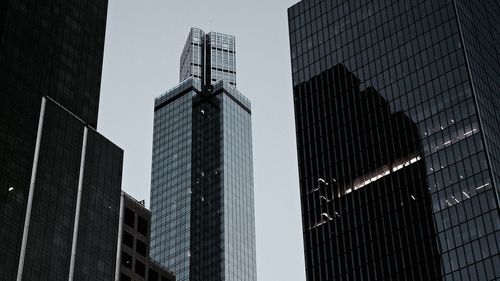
point(398, 139)
point(202, 200)
point(59, 179)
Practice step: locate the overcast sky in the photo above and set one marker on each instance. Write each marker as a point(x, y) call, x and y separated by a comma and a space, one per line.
point(144, 40)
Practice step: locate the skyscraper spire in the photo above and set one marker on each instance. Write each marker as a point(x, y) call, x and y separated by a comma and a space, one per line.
point(209, 57)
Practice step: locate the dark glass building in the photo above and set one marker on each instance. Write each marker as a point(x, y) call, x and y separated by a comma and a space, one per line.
point(398, 138)
point(202, 200)
point(59, 179)
point(133, 261)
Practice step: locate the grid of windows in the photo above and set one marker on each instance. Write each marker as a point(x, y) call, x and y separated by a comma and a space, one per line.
point(192, 58)
point(51, 227)
point(99, 210)
point(47, 48)
point(134, 259)
point(207, 260)
point(202, 177)
point(239, 221)
point(480, 28)
point(414, 54)
point(219, 242)
point(222, 57)
point(375, 193)
point(210, 57)
point(171, 186)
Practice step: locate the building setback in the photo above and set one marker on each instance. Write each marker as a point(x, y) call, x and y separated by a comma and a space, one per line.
point(133, 261)
point(398, 138)
point(59, 179)
point(202, 199)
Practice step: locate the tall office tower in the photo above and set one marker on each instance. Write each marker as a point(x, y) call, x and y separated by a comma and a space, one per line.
point(398, 138)
point(59, 179)
point(202, 179)
point(133, 252)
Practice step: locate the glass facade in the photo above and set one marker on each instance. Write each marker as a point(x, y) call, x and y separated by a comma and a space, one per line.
point(171, 184)
point(192, 59)
point(221, 53)
point(480, 29)
point(202, 175)
point(397, 137)
point(99, 210)
point(209, 57)
point(238, 196)
point(51, 228)
point(51, 231)
point(52, 51)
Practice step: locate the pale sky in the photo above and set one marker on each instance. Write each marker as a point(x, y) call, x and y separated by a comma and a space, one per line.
point(144, 40)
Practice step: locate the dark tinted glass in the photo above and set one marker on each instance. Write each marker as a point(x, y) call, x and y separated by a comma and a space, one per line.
point(140, 268)
point(54, 49)
point(100, 206)
point(57, 181)
point(141, 248)
point(126, 260)
point(153, 275)
point(129, 217)
point(128, 239)
point(142, 226)
point(398, 154)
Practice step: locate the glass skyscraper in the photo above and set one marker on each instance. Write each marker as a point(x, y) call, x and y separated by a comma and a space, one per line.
point(396, 112)
point(59, 178)
point(202, 199)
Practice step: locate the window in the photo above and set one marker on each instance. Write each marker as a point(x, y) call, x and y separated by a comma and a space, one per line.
point(124, 277)
point(153, 275)
point(128, 239)
point(129, 217)
point(142, 226)
point(140, 268)
point(141, 248)
point(126, 260)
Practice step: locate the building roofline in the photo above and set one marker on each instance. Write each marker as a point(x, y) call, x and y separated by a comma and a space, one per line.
point(233, 93)
point(190, 84)
point(194, 84)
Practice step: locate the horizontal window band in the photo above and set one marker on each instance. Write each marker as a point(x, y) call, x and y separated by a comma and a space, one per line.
point(172, 99)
